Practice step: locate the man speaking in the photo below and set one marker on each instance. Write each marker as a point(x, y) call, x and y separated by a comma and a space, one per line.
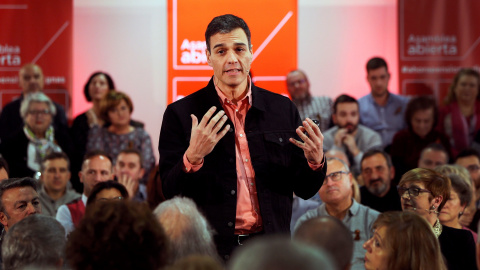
point(239, 151)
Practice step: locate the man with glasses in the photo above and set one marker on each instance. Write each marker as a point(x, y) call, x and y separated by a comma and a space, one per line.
point(378, 172)
point(316, 108)
point(96, 168)
point(470, 159)
point(336, 193)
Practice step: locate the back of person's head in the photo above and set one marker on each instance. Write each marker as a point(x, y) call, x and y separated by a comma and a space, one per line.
point(331, 235)
point(279, 253)
point(188, 230)
point(343, 99)
point(410, 242)
point(110, 184)
point(37, 241)
point(196, 262)
point(118, 235)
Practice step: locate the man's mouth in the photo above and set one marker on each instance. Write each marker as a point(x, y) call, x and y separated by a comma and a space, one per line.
point(233, 71)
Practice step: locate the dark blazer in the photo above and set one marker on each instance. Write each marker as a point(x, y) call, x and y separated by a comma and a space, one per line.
point(280, 167)
point(458, 248)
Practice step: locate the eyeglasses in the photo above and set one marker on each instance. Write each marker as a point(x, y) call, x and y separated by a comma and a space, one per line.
point(39, 112)
point(412, 191)
point(335, 176)
point(110, 199)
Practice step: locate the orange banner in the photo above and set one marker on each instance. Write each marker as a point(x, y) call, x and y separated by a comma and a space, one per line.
point(273, 25)
point(36, 32)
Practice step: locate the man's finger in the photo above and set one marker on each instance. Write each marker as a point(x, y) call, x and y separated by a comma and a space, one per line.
point(215, 120)
point(222, 133)
point(297, 143)
point(194, 121)
point(220, 124)
point(207, 116)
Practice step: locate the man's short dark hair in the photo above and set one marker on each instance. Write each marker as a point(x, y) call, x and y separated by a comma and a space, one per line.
point(468, 152)
point(329, 234)
point(132, 151)
point(95, 153)
point(343, 99)
point(15, 183)
point(86, 92)
point(373, 152)
point(435, 147)
point(226, 24)
point(420, 103)
point(52, 156)
point(376, 62)
point(37, 241)
point(4, 164)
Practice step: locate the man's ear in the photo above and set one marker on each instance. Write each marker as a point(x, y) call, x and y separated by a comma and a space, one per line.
point(207, 52)
point(80, 176)
point(392, 172)
point(4, 219)
point(142, 172)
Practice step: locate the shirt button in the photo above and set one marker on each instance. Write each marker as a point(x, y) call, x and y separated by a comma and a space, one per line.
point(241, 135)
point(246, 160)
point(232, 192)
point(230, 224)
point(280, 139)
point(236, 110)
point(251, 184)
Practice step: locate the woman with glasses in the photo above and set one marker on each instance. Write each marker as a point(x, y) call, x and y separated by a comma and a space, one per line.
point(425, 192)
point(25, 150)
point(402, 240)
point(107, 191)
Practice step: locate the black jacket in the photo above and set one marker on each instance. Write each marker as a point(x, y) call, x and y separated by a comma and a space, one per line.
point(458, 248)
point(280, 167)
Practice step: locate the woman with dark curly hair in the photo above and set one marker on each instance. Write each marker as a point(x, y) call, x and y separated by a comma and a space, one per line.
point(118, 235)
point(108, 190)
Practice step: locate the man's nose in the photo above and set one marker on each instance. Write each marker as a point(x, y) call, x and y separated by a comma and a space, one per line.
point(232, 57)
point(31, 209)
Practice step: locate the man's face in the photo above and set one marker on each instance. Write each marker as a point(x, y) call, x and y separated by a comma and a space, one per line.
point(377, 175)
point(378, 80)
point(95, 170)
point(230, 57)
point(297, 85)
point(56, 175)
point(472, 164)
point(19, 203)
point(31, 79)
point(347, 116)
point(431, 158)
point(336, 191)
point(129, 164)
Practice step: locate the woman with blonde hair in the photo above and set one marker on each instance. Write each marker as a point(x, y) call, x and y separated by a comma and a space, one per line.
point(403, 240)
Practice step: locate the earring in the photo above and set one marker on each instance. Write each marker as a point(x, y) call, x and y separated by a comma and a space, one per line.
point(461, 213)
point(433, 207)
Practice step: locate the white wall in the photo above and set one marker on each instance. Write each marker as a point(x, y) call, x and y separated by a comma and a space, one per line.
point(128, 39)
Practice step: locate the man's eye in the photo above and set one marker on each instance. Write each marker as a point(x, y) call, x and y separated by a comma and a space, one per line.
point(22, 206)
point(220, 51)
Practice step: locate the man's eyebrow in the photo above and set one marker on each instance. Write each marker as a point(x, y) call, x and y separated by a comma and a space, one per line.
point(223, 44)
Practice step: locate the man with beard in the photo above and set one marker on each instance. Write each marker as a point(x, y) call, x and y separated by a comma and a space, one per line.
point(347, 134)
point(378, 191)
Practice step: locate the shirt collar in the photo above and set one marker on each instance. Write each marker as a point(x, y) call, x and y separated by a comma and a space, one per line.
point(224, 98)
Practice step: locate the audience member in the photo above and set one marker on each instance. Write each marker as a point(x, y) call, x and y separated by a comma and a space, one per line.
point(129, 172)
point(470, 160)
point(403, 240)
point(421, 117)
point(3, 169)
point(460, 117)
point(187, 229)
point(432, 156)
point(382, 110)
point(35, 242)
point(460, 198)
point(25, 151)
point(107, 191)
point(30, 78)
point(154, 188)
point(425, 192)
point(279, 253)
point(315, 108)
point(116, 110)
point(378, 173)
point(54, 189)
point(336, 194)
point(96, 168)
point(118, 235)
point(331, 235)
point(347, 134)
point(355, 181)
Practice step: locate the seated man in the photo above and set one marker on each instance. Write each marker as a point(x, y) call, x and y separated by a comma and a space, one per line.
point(347, 134)
point(470, 159)
point(187, 229)
point(329, 234)
point(55, 178)
point(129, 171)
point(336, 194)
point(30, 79)
point(36, 241)
point(432, 156)
point(379, 191)
point(97, 167)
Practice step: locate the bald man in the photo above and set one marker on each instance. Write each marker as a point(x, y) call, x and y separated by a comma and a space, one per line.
point(30, 81)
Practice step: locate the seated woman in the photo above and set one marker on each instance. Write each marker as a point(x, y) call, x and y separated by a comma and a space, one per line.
point(106, 191)
point(460, 117)
point(402, 240)
point(425, 192)
point(116, 110)
point(97, 86)
point(25, 151)
point(407, 144)
point(461, 195)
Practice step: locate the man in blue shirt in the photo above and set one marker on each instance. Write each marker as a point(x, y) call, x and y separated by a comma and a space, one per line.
point(381, 110)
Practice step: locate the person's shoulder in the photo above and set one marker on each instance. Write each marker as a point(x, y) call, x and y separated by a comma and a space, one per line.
point(370, 212)
point(13, 105)
point(312, 213)
point(365, 99)
point(259, 92)
point(398, 97)
point(367, 131)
